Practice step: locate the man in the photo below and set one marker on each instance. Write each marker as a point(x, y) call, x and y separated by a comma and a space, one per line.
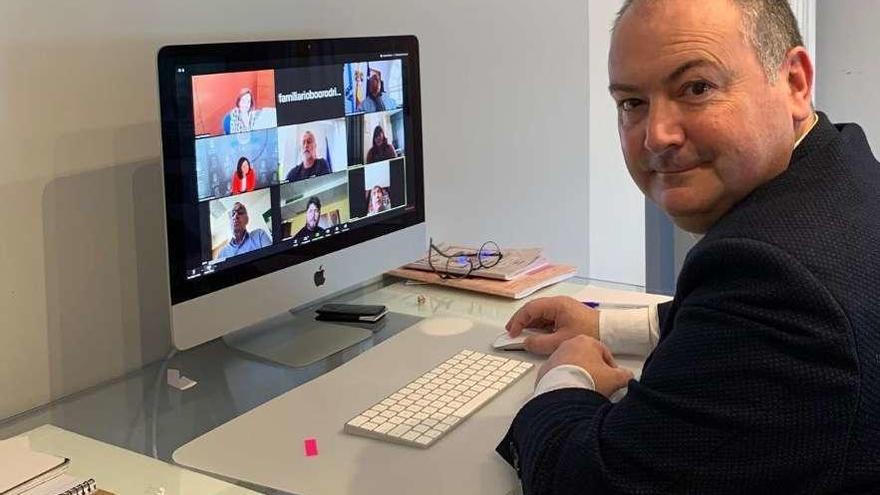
point(243, 241)
point(311, 166)
point(764, 370)
point(313, 214)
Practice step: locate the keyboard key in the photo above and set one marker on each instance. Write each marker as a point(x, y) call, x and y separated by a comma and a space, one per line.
point(399, 431)
point(359, 421)
point(450, 420)
point(384, 428)
point(465, 410)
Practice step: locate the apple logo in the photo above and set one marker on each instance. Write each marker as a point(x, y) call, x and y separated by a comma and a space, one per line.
point(319, 276)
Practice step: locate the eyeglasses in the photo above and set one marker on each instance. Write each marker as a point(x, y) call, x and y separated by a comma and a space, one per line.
point(462, 263)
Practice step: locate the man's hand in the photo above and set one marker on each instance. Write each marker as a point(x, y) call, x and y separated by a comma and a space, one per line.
point(593, 356)
point(561, 317)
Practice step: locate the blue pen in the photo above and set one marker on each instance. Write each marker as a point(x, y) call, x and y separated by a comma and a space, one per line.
point(607, 305)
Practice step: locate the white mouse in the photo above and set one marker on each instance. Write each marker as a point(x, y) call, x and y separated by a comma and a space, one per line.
point(505, 342)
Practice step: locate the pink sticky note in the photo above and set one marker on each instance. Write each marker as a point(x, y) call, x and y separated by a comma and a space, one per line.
point(311, 446)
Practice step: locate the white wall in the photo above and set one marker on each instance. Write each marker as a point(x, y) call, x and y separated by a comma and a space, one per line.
point(83, 288)
point(617, 207)
point(847, 72)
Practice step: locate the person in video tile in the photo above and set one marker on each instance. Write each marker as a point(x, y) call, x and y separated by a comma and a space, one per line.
point(243, 241)
point(311, 165)
point(377, 100)
point(244, 115)
point(244, 178)
point(378, 200)
point(380, 150)
point(313, 214)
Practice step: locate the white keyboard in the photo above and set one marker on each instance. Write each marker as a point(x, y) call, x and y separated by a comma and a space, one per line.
point(430, 406)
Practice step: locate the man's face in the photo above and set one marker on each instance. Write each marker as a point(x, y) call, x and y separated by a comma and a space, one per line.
point(313, 213)
point(699, 123)
point(378, 196)
point(238, 218)
point(308, 146)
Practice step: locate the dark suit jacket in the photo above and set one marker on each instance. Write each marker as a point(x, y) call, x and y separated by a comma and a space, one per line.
point(766, 377)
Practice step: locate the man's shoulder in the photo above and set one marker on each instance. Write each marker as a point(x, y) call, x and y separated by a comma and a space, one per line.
point(830, 183)
point(227, 250)
point(259, 234)
point(291, 175)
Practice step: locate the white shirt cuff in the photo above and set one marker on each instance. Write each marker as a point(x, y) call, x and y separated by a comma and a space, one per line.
point(564, 376)
point(630, 331)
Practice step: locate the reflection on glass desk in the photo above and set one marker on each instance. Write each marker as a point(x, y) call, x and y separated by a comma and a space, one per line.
point(139, 412)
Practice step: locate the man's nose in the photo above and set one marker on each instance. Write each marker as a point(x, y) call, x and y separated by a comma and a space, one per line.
point(664, 129)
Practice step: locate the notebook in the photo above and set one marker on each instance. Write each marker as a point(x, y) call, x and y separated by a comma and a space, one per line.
point(24, 469)
point(64, 485)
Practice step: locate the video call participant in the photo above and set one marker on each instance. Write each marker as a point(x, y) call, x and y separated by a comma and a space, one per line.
point(244, 178)
point(377, 100)
point(313, 214)
point(244, 115)
point(377, 201)
point(311, 166)
point(380, 150)
point(243, 241)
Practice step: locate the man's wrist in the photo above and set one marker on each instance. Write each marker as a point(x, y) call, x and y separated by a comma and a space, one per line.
point(627, 331)
point(565, 376)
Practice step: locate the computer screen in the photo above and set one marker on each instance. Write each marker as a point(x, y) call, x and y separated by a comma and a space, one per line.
point(279, 152)
point(283, 161)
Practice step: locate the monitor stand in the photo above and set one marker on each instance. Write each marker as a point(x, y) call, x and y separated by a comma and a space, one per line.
point(295, 340)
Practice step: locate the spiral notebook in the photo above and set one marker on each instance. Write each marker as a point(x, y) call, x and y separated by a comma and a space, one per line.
point(24, 469)
point(26, 472)
point(64, 485)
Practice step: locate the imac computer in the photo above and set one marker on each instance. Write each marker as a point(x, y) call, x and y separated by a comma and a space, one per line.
point(292, 171)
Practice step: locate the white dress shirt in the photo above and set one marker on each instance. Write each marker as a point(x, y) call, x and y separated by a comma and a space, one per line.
point(625, 331)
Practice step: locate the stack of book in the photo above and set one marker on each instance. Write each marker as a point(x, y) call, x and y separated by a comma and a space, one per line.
point(25, 472)
point(516, 274)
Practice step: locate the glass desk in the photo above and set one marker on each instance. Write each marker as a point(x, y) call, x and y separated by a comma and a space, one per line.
point(140, 413)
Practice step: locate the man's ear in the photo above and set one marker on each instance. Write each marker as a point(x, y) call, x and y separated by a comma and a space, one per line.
point(796, 73)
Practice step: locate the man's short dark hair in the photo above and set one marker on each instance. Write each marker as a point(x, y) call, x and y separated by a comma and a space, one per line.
point(768, 25)
point(314, 201)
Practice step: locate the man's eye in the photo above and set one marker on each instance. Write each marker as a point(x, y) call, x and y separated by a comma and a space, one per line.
point(629, 104)
point(699, 88)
